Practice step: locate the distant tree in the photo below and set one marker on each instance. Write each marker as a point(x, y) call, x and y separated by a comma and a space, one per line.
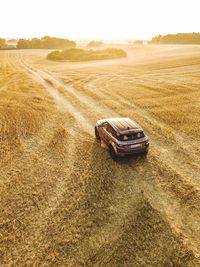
point(12, 43)
point(36, 43)
point(57, 43)
point(95, 43)
point(3, 43)
point(46, 42)
point(179, 38)
point(12, 40)
point(23, 44)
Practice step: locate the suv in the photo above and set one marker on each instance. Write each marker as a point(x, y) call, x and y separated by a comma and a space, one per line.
point(122, 136)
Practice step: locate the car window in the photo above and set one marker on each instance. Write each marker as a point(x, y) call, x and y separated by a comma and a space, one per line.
point(113, 133)
point(105, 125)
point(111, 130)
point(129, 137)
point(126, 137)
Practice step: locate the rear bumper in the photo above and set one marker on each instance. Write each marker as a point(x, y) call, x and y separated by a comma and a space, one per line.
point(124, 152)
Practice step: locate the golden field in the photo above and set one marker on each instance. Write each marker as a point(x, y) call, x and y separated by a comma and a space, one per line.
point(64, 202)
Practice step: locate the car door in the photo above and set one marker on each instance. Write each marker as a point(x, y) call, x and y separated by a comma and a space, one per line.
point(108, 133)
point(104, 133)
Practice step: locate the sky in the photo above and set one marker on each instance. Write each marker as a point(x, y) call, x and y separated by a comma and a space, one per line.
point(98, 19)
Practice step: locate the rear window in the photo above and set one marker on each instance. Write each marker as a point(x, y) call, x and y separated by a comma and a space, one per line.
point(128, 137)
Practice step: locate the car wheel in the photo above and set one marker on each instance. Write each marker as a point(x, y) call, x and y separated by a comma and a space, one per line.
point(145, 153)
point(97, 134)
point(112, 153)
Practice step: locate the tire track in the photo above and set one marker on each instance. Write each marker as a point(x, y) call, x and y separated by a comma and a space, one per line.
point(164, 153)
point(35, 232)
point(53, 87)
point(61, 102)
point(180, 165)
point(178, 138)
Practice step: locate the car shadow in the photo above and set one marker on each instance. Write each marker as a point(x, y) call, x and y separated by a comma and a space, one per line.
point(131, 159)
point(126, 160)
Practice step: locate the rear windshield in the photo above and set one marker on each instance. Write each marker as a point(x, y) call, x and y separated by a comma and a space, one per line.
point(129, 137)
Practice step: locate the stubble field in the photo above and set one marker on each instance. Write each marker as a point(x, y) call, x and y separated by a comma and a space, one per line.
point(63, 201)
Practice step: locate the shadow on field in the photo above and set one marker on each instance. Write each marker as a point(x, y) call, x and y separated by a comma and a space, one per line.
point(127, 160)
point(132, 159)
point(118, 225)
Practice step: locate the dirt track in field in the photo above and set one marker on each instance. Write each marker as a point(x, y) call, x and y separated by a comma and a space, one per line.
point(63, 200)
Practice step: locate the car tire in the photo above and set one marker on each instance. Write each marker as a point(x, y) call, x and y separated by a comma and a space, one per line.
point(97, 134)
point(112, 152)
point(145, 153)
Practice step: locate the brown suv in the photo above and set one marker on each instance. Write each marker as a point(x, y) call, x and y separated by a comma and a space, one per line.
point(122, 136)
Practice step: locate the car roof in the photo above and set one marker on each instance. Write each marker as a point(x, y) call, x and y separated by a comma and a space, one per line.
point(123, 125)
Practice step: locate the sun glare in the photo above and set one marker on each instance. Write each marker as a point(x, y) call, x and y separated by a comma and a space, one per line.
point(127, 19)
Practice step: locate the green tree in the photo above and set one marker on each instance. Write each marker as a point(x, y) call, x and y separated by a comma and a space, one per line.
point(179, 38)
point(2, 43)
point(57, 43)
point(23, 44)
point(36, 43)
point(46, 42)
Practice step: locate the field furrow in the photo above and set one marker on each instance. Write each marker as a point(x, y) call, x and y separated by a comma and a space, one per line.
point(64, 202)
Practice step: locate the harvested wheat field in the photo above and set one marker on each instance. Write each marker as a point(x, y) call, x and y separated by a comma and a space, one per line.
point(64, 202)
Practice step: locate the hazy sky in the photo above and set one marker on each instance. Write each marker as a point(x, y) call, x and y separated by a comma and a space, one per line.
point(98, 19)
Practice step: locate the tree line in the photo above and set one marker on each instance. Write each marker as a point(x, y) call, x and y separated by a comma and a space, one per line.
point(5, 45)
point(45, 42)
point(2, 43)
point(179, 38)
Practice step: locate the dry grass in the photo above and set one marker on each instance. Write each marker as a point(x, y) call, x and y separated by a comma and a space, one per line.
point(64, 202)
